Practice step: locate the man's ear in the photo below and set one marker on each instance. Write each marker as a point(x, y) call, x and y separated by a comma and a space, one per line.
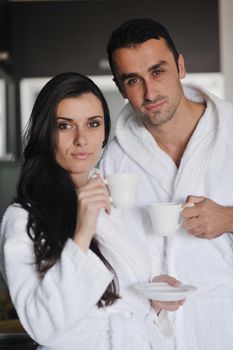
point(181, 65)
point(119, 88)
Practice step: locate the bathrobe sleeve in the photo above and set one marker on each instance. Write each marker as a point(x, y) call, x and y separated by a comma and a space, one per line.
point(49, 306)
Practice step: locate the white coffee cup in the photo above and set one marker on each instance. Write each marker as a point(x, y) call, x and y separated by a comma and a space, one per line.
point(123, 189)
point(165, 217)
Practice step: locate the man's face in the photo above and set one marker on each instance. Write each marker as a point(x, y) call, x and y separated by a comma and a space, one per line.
point(147, 76)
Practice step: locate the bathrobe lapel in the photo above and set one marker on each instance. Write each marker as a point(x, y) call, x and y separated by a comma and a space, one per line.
point(143, 149)
point(192, 174)
point(202, 152)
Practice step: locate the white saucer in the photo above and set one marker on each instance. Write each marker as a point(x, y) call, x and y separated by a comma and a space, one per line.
point(162, 291)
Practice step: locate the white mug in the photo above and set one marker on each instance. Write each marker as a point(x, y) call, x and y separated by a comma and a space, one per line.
point(123, 189)
point(165, 217)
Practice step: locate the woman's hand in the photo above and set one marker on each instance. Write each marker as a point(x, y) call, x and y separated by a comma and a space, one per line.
point(167, 305)
point(92, 197)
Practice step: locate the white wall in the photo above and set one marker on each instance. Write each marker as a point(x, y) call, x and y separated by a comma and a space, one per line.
point(226, 46)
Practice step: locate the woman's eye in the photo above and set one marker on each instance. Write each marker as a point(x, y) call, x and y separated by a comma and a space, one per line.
point(63, 126)
point(94, 124)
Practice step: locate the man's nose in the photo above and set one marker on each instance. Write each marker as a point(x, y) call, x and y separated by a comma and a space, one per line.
point(149, 90)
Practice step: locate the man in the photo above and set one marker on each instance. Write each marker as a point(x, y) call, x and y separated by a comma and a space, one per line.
point(179, 139)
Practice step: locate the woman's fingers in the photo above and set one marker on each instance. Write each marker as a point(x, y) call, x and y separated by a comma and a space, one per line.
point(172, 281)
point(92, 197)
point(167, 305)
point(95, 190)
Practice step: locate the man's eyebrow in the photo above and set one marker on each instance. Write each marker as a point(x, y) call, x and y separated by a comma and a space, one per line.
point(158, 65)
point(131, 75)
point(125, 77)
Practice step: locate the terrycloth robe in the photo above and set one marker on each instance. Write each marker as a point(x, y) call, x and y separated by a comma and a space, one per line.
point(59, 311)
point(206, 169)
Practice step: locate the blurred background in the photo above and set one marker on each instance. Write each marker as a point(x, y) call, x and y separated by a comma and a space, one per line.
point(39, 39)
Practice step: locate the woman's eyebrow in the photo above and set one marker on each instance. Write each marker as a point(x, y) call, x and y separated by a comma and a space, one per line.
point(95, 116)
point(64, 118)
point(72, 119)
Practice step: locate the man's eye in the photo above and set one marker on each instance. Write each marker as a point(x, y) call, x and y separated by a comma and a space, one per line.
point(158, 72)
point(94, 124)
point(132, 82)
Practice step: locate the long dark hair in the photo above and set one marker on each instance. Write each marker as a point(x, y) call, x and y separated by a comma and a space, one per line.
point(45, 189)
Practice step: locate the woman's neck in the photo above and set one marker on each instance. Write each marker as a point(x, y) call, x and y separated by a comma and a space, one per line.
point(80, 179)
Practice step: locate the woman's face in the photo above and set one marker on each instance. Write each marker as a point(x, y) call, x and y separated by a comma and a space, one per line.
point(80, 134)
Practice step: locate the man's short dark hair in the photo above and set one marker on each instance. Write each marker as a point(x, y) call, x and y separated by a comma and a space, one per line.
point(137, 31)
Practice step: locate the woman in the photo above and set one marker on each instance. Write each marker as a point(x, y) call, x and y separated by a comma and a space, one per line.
point(65, 252)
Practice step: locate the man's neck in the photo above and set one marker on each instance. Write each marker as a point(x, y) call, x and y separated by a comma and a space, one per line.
point(174, 136)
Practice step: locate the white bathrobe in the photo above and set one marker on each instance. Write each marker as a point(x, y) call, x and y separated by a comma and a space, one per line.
point(59, 312)
point(206, 169)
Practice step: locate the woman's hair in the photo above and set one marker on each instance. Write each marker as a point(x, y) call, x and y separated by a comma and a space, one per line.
point(45, 189)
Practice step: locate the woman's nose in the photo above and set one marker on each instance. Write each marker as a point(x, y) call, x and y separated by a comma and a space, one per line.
point(80, 138)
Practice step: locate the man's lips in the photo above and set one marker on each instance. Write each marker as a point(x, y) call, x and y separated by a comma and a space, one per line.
point(81, 155)
point(153, 106)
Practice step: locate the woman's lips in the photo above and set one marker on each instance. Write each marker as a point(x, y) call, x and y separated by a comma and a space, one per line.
point(81, 155)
